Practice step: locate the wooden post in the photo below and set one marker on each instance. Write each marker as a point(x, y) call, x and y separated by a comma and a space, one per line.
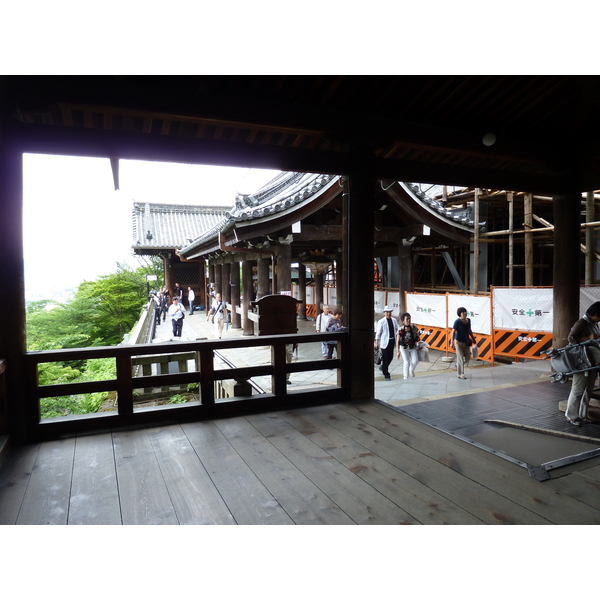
point(262, 268)
point(358, 206)
point(225, 282)
point(248, 294)
point(567, 210)
point(590, 216)
point(528, 224)
point(318, 292)
point(302, 292)
point(476, 242)
point(12, 286)
point(219, 279)
point(405, 275)
point(284, 268)
point(236, 318)
point(340, 285)
point(511, 249)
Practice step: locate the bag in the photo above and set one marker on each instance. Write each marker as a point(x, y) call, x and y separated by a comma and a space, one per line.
point(423, 351)
point(212, 319)
point(474, 351)
point(377, 356)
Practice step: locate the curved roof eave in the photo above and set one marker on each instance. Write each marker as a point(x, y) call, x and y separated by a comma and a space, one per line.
point(289, 205)
point(424, 212)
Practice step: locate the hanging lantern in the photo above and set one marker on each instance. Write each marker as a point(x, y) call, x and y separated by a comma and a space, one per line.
point(316, 261)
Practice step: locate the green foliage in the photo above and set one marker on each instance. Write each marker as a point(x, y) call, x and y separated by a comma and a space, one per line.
point(177, 399)
point(99, 314)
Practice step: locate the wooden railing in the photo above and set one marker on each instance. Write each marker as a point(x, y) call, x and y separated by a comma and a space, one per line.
point(125, 383)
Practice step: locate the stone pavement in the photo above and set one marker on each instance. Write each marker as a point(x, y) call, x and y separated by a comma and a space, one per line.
point(433, 380)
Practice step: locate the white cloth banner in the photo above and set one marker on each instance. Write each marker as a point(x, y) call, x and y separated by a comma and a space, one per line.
point(478, 310)
point(378, 303)
point(527, 309)
point(587, 297)
point(427, 309)
point(393, 300)
point(331, 295)
point(310, 294)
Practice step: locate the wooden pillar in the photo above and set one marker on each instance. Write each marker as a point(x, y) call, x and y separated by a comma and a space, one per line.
point(511, 241)
point(590, 215)
point(248, 294)
point(340, 285)
point(225, 282)
point(236, 318)
point(318, 292)
point(219, 279)
point(566, 279)
point(302, 292)
point(284, 268)
point(528, 224)
point(476, 243)
point(263, 285)
point(358, 252)
point(405, 274)
point(12, 286)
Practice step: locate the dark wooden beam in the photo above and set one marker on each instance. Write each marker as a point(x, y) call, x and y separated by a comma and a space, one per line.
point(47, 139)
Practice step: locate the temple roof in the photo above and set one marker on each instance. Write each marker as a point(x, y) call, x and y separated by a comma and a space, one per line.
point(169, 226)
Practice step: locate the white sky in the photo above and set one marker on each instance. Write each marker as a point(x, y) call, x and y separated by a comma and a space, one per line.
point(77, 227)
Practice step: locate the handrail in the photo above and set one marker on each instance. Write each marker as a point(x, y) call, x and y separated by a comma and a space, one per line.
point(125, 383)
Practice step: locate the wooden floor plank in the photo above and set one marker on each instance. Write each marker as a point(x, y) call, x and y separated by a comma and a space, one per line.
point(304, 502)
point(486, 505)
point(46, 500)
point(341, 483)
point(247, 498)
point(142, 490)
point(582, 485)
point(14, 479)
point(505, 480)
point(422, 501)
point(94, 491)
point(193, 493)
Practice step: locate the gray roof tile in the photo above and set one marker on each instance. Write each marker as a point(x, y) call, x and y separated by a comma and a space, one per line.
point(157, 226)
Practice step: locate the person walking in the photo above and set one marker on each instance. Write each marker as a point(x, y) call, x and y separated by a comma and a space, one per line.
point(157, 308)
point(462, 340)
point(191, 298)
point(335, 324)
point(177, 313)
point(218, 312)
point(586, 328)
point(408, 338)
point(321, 324)
point(385, 338)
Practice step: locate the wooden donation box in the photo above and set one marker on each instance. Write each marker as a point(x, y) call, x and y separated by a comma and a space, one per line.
point(276, 314)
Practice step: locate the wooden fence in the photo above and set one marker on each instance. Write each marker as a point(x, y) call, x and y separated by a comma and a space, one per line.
point(126, 383)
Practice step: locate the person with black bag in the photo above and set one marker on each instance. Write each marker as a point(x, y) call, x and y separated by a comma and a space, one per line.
point(462, 340)
point(217, 314)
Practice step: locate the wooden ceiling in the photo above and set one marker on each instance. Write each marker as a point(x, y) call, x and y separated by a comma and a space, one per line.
point(410, 128)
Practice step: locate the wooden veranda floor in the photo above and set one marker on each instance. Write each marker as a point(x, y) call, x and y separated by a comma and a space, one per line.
point(362, 463)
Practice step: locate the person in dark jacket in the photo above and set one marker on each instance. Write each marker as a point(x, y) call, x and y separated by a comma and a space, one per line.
point(462, 340)
point(586, 328)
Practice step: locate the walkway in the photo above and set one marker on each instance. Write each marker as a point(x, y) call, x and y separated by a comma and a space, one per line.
point(519, 393)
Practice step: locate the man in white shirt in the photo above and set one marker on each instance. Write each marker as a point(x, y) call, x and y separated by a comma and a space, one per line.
point(385, 338)
point(321, 326)
point(177, 312)
point(191, 298)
